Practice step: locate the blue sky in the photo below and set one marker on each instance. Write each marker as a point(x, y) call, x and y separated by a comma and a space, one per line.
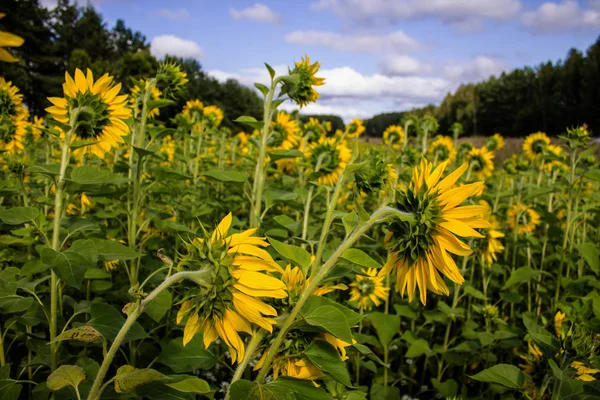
point(377, 55)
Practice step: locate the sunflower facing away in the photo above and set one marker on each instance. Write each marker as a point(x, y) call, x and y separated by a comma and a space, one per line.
point(368, 289)
point(535, 145)
point(481, 162)
point(193, 110)
point(136, 98)
point(442, 149)
point(213, 115)
point(420, 250)
point(491, 245)
point(232, 303)
point(13, 115)
point(355, 128)
point(8, 40)
point(327, 159)
point(101, 111)
point(313, 130)
point(525, 219)
point(495, 142)
point(296, 282)
point(393, 137)
point(283, 133)
point(302, 91)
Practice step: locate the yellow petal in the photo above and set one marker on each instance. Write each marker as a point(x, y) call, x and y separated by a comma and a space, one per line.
point(221, 231)
point(459, 228)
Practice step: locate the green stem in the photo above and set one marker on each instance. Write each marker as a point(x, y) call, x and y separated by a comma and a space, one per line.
point(307, 213)
point(378, 216)
point(250, 350)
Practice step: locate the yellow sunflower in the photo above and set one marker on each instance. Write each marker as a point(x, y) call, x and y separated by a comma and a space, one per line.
point(491, 244)
point(302, 91)
point(8, 40)
point(420, 250)
point(35, 128)
point(167, 149)
point(393, 137)
point(535, 145)
point(584, 373)
point(233, 303)
point(526, 218)
point(101, 112)
point(481, 162)
point(533, 356)
point(214, 115)
point(442, 149)
point(284, 132)
point(355, 128)
point(12, 135)
point(137, 92)
point(368, 289)
point(313, 130)
point(495, 142)
point(558, 322)
point(296, 282)
point(327, 159)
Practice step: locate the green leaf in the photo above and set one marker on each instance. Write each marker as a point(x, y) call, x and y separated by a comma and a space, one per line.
point(66, 375)
point(382, 392)
point(365, 351)
point(70, 266)
point(386, 326)
point(159, 132)
point(447, 389)
point(548, 344)
point(561, 375)
point(271, 71)
point(282, 154)
point(82, 143)
point(144, 152)
point(108, 320)
point(186, 359)
point(418, 348)
point(350, 220)
point(314, 301)
point(86, 175)
point(520, 275)
point(161, 304)
point(263, 89)
point(296, 255)
point(590, 253)
point(227, 176)
point(250, 121)
point(193, 384)
point(287, 222)
point(503, 374)
point(325, 357)
point(128, 378)
point(159, 103)
point(361, 258)
point(471, 291)
point(19, 215)
point(302, 389)
point(330, 319)
point(9, 388)
point(110, 250)
point(84, 333)
point(246, 390)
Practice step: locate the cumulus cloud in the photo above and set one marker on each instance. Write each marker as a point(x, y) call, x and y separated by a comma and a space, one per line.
point(564, 16)
point(258, 12)
point(396, 41)
point(399, 65)
point(180, 13)
point(175, 46)
point(458, 13)
point(477, 69)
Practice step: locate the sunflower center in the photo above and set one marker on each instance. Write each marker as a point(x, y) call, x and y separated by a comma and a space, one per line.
point(93, 116)
point(325, 158)
point(413, 240)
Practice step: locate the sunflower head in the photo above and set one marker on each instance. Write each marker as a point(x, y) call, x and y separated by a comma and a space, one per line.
point(481, 162)
point(232, 302)
point(284, 132)
point(393, 137)
point(368, 289)
point(577, 137)
point(94, 110)
point(372, 178)
point(313, 130)
point(213, 116)
point(11, 102)
point(171, 79)
point(136, 96)
point(535, 145)
point(327, 159)
point(193, 110)
point(522, 218)
point(442, 148)
point(301, 88)
point(495, 142)
point(463, 149)
point(355, 128)
point(491, 245)
point(12, 135)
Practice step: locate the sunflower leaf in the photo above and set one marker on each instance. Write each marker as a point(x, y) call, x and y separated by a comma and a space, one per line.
point(502, 374)
point(296, 255)
point(331, 320)
point(325, 357)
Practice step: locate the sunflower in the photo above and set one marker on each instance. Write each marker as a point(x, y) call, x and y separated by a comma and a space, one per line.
point(8, 40)
point(531, 359)
point(535, 145)
point(284, 132)
point(296, 282)
point(213, 115)
point(558, 322)
point(355, 128)
point(12, 135)
point(11, 102)
point(327, 159)
point(136, 97)
point(495, 142)
point(419, 249)
point(167, 149)
point(35, 128)
point(232, 302)
point(111, 265)
point(393, 137)
point(491, 244)
point(442, 149)
point(481, 162)
point(584, 373)
point(193, 110)
point(301, 91)
point(526, 218)
point(312, 130)
point(101, 112)
point(368, 289)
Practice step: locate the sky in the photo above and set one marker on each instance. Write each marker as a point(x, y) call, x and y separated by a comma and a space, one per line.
point(376, 55)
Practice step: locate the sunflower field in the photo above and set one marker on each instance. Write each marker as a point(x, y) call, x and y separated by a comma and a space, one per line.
point(144, 258)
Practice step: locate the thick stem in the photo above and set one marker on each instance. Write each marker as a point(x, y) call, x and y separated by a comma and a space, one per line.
point(250, 350)
point(307, 213)
point(378, 216)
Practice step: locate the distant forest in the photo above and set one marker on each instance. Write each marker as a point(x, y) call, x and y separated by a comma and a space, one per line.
point(548, 97)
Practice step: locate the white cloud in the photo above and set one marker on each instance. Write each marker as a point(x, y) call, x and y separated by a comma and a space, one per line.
point(396, 41)
point(399, 65)
point(180, 13)
point(566, 15)
point(49, 4)
point(458, 13)
point(175, 46)
point(475, 70)
point(258, 12)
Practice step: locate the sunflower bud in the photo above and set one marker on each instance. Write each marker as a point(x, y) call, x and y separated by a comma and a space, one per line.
point(302, 79)
point(171, 79)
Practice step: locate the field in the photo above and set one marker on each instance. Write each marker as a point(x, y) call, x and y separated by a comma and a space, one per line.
point(175, 259)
